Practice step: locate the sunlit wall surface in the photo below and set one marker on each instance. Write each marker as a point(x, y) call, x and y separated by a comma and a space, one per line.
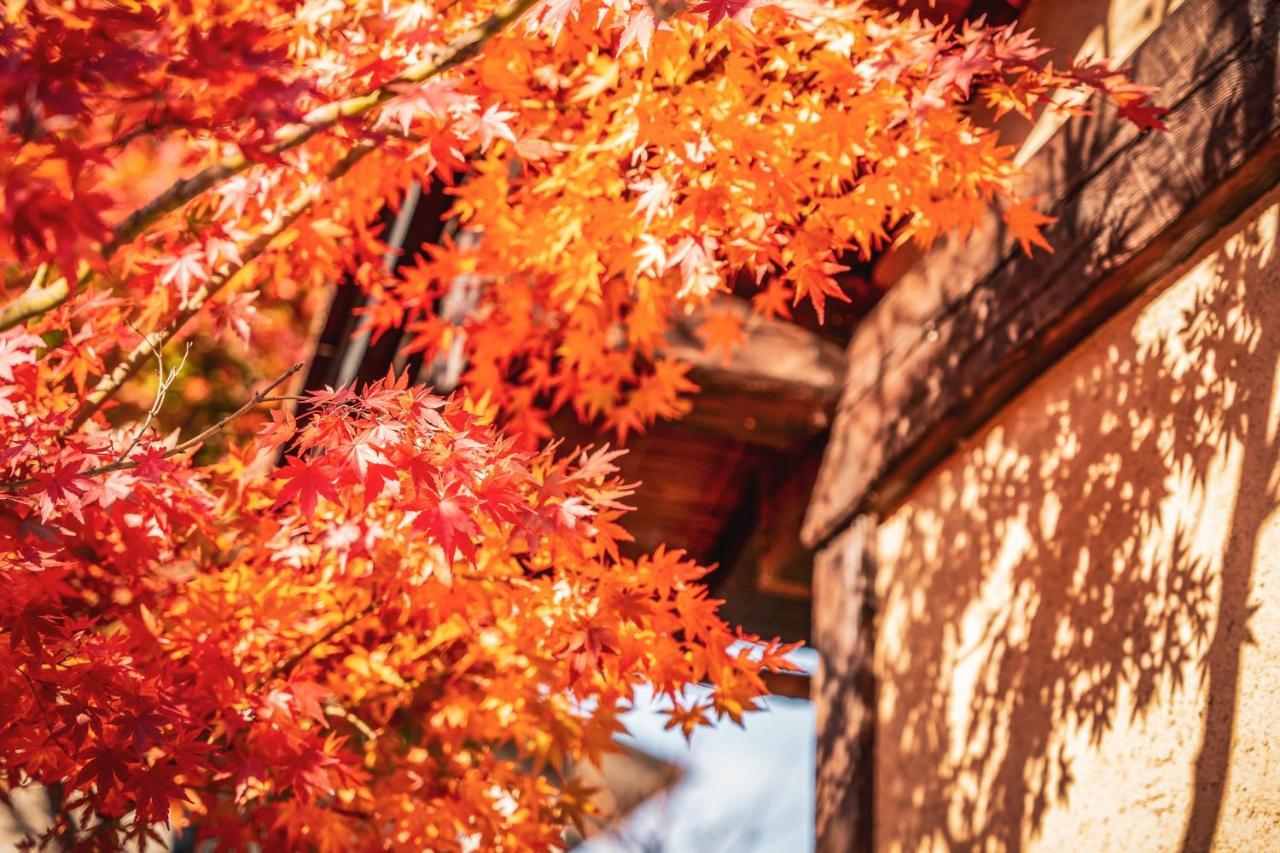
point(1079, 635)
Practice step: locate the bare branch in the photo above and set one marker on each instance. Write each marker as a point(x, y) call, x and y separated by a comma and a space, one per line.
point(164, 381)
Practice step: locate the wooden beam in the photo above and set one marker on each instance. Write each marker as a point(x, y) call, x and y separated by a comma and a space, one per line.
point(793, 685)
point(976, 321)
point(778, 389)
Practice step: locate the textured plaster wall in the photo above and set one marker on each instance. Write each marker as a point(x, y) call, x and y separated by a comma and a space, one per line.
point(1078, 642)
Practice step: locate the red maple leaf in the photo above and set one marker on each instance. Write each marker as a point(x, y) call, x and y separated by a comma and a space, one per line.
point(718, 10)
point(449, 521)
point(62, 488)
point(306, 481)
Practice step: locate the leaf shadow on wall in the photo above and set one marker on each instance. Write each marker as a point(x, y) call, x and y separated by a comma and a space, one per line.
point(1088, 559)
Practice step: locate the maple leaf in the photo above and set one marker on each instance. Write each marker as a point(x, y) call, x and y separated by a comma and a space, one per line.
point(697, 271)
point(62, 488)
point(722, 330)
point(156, 790)
point(737, 10)
point(552, 15)
point(448, 520)
point(184, 270)
point(597, 465)
point(1024, 223)
point(655, 197)
point(574, 510)
point(639, 30)
point(438, 99)
point(1146, 115)
point(960, 69)
point(234, 314)
point(412, 16)
point(109, 488)
point(279, 429)
point(492, 124)
point(533, 148)
point(816, 283)
point(218, 249)
point(774, 300)
point(652, 256)
point(687, 718)
point(35, 625)
point(587, 647)
point(308, 696)
point(17, 347)
point(306, 481)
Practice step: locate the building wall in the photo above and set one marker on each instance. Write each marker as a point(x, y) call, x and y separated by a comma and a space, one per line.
point(1077, 642)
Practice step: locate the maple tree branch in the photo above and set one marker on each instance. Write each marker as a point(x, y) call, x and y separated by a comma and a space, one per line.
point(255, 400)
point(318, 120)
point(283, 670)
point(36, 301)
point(126, 464)
point(127, 367)
point(141, 129)
point(663, 11)
point(333, 709)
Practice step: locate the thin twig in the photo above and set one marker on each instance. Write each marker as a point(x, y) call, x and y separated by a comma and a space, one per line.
point(333, 709)
point(287, 667)
point(127, 464)
point(164, 381)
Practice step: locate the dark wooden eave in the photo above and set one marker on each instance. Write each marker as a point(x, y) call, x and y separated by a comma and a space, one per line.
point(778, 389)
point(976, 321)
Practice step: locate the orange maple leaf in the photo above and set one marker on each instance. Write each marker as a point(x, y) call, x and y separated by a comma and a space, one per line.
point(1024, 223)
point(722, 330)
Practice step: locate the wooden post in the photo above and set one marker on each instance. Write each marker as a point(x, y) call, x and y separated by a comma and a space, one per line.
point(844, 692)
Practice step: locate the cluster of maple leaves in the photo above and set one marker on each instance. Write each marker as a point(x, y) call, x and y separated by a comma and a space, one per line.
point(406, 634)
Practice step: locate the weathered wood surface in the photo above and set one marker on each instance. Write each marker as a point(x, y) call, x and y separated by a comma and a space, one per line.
point(844, 693)
point(976, 321)
point(778, 389)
